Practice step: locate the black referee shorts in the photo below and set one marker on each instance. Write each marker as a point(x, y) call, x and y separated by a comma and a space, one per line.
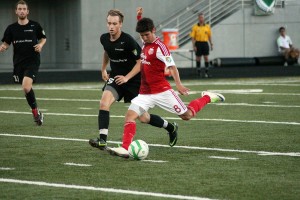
point(202, 49)
point(128, 91)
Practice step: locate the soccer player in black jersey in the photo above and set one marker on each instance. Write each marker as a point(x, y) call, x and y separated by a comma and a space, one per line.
point(123, 53)
point(28, 39)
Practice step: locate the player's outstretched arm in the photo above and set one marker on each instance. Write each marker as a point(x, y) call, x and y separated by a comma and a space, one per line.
point(175, 74)
point(4, 46)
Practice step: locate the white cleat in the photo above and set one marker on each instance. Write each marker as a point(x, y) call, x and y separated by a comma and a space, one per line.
point(118, 151)
point(214, 97)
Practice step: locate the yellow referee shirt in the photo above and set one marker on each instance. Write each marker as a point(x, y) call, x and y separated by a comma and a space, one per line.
point(201, 33)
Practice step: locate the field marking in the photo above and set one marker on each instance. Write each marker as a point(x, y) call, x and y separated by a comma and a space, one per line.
point(224, 158)
point(173, 118)
point(52, 99)
point(289, 81)
point(83, 108)
point(111, 190)
point(230, 91)
point(93, 100)
point(77, 164)
point(6, 168)
point(257, 105)
point(155, 161)
point(263, 153)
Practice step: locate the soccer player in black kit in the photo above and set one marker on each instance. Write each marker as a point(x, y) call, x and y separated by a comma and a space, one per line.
point(123, 53)
point(28, 39)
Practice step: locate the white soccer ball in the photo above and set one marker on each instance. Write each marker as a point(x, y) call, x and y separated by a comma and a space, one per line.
point(138, 150)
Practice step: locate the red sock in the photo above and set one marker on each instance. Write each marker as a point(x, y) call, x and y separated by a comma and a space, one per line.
point(129, 132)
point(197, 104)
point(35, 112)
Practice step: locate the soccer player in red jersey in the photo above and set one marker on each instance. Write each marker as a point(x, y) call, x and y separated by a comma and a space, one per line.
point(122, 52)
point(155, 90)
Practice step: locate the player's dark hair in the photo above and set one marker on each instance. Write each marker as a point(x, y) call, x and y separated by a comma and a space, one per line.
point(23, 3)
point(200, 14)
point(144, 25)
point(281, 28)
point(116, 12)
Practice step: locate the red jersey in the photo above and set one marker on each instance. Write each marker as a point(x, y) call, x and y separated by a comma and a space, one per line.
point(155, 57)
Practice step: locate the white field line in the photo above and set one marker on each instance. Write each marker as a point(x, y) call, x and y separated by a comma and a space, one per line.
point(154, 161)
point(173, 118)
point(257, 105)
point(294, 154)
point(111, 190)
point(51, 99)
point(224, 158)
point(289, 81)
point(77, 164)
point(6, 168)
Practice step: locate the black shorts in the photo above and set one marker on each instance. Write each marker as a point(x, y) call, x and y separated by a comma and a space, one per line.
point(25, 69)
point(202, 49)
point(128, 91)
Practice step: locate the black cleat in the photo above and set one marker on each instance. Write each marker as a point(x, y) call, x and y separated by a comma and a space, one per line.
point(173, 135)
point(39, 119)
point(98, 143)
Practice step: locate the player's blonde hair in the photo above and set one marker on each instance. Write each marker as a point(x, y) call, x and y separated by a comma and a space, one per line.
point(116, 12)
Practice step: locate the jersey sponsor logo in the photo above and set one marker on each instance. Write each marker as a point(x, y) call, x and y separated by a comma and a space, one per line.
point(21, 41)
point(119, 49)
point(29, 30)
point(117, 61)
point(122, 42)
point(144, 59)
point(150, 51)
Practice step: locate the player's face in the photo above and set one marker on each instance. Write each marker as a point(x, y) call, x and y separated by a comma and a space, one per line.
point(114, 25)
point(22, 11)
point(148, 36)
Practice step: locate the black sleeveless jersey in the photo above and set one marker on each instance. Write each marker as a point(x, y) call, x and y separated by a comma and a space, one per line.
point(122, 54)
point(23, 38)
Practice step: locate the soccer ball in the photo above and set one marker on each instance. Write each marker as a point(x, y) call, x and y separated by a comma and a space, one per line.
point(138, 150)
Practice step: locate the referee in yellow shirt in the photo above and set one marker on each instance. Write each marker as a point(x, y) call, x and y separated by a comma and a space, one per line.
point(201, 35)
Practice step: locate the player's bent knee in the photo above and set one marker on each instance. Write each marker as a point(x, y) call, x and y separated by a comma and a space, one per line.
point(139, 110)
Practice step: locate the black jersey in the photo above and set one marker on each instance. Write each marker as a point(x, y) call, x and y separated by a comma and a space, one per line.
point(23, 38)
point(122, 53)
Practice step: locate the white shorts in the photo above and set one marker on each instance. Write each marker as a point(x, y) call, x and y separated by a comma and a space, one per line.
point(168, 100)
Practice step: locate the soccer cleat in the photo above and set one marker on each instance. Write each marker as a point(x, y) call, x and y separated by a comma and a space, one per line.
point(98, 143)
point(214, 97)
point(38, 117)
point(118, 151)
point(173, 135)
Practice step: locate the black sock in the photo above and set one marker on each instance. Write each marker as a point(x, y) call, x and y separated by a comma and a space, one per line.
point(206, 66)
point(198, 64)
point(157, 121)
point(103, 122)
point(30, 97)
